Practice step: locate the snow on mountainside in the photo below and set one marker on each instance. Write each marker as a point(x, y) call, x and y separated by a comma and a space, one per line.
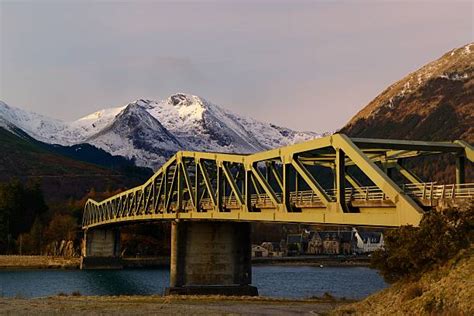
point(95, 122)
point(150, 131)
point(38, 126)
point(135, 131)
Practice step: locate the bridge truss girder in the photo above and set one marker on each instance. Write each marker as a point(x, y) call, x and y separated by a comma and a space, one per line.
point(266, 186)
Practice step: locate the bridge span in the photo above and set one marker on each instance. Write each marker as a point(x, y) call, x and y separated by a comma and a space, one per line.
point(212, 197)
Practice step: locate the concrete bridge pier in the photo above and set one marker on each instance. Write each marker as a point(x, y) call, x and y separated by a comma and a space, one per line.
point(101, 249)
point(211, 258)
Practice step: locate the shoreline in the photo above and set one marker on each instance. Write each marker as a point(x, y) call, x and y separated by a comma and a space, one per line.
point(17, 262)
point(323, 261)
point(169, 305)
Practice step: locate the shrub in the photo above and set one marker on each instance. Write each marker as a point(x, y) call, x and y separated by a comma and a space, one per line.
point(410, 251)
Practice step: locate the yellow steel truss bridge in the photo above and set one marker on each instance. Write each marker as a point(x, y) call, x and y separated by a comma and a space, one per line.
point(331, 180)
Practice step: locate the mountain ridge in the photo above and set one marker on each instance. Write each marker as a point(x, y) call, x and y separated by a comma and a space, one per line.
point(65, 172)
point(435, 102)
point(151, 131)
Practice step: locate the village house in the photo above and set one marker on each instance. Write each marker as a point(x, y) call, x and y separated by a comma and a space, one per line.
point(368, 241)
point(331, 242)
point(274, 248)
point(315, 244)
point(259, 251)
point(348, 242)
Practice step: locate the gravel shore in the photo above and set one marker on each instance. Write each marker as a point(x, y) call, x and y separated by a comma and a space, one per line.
point(171, 305)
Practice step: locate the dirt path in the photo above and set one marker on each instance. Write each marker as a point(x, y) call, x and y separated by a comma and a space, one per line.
point(154, 305)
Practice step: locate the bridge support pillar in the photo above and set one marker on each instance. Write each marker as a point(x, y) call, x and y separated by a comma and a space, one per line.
point(211, 258)
point(101, 249)
point(460, 170)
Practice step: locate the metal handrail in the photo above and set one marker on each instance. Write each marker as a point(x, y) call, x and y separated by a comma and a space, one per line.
point(429, 190)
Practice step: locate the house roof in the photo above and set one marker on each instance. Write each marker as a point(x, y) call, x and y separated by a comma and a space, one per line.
point(343, 236)
point(373, 236)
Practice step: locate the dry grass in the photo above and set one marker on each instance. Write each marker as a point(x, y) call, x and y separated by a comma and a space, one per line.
point(448, 290)
point(38, 262)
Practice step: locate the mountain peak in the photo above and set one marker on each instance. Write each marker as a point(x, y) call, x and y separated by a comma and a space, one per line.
point(144, 103)
point(182, 99)
point(186, 107)
point(151, 131)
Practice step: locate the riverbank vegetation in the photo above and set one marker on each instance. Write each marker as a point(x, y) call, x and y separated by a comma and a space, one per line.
point(38, 262)
point(31, 226)
point(431, 268)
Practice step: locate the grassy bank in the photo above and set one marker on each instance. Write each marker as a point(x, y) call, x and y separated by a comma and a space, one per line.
point(446, 290)
point(38, 262)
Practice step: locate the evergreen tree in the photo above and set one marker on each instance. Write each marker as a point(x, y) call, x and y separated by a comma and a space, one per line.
point(32, 243)
point(20, 206)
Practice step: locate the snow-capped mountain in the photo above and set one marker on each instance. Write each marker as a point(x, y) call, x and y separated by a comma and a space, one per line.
point(36, 125)
point(151, 131)
point(136, 131)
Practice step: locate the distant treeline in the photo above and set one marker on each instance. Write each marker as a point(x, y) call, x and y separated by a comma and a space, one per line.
point(20, 206)
point(28, 225)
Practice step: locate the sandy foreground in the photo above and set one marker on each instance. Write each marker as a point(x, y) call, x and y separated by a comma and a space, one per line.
point(159, 305)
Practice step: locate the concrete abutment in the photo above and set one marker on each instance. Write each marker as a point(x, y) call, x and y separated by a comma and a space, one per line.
point(101, 249)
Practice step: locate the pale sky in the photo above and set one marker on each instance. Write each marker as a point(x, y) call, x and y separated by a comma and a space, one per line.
point(304, 65)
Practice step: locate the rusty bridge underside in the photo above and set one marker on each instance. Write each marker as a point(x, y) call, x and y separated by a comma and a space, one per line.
point(331, 180)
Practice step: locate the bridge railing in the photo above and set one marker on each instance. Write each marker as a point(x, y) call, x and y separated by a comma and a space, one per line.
point(432, 190)
point(308, 198)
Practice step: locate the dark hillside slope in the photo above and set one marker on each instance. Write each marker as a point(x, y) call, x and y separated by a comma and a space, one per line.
point(433, 103)
point(61, 177)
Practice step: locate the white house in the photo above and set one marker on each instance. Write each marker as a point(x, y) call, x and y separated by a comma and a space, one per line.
point(368, 241)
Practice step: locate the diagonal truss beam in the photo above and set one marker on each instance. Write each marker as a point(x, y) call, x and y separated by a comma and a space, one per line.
point(232, 183)
point(409, 211)
point(276, 174)
point(410, 176)
point(264, 184)
point(309, 179)
point(207, 182)
point(170, 193)
point(187, 182)
point(355, 184)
